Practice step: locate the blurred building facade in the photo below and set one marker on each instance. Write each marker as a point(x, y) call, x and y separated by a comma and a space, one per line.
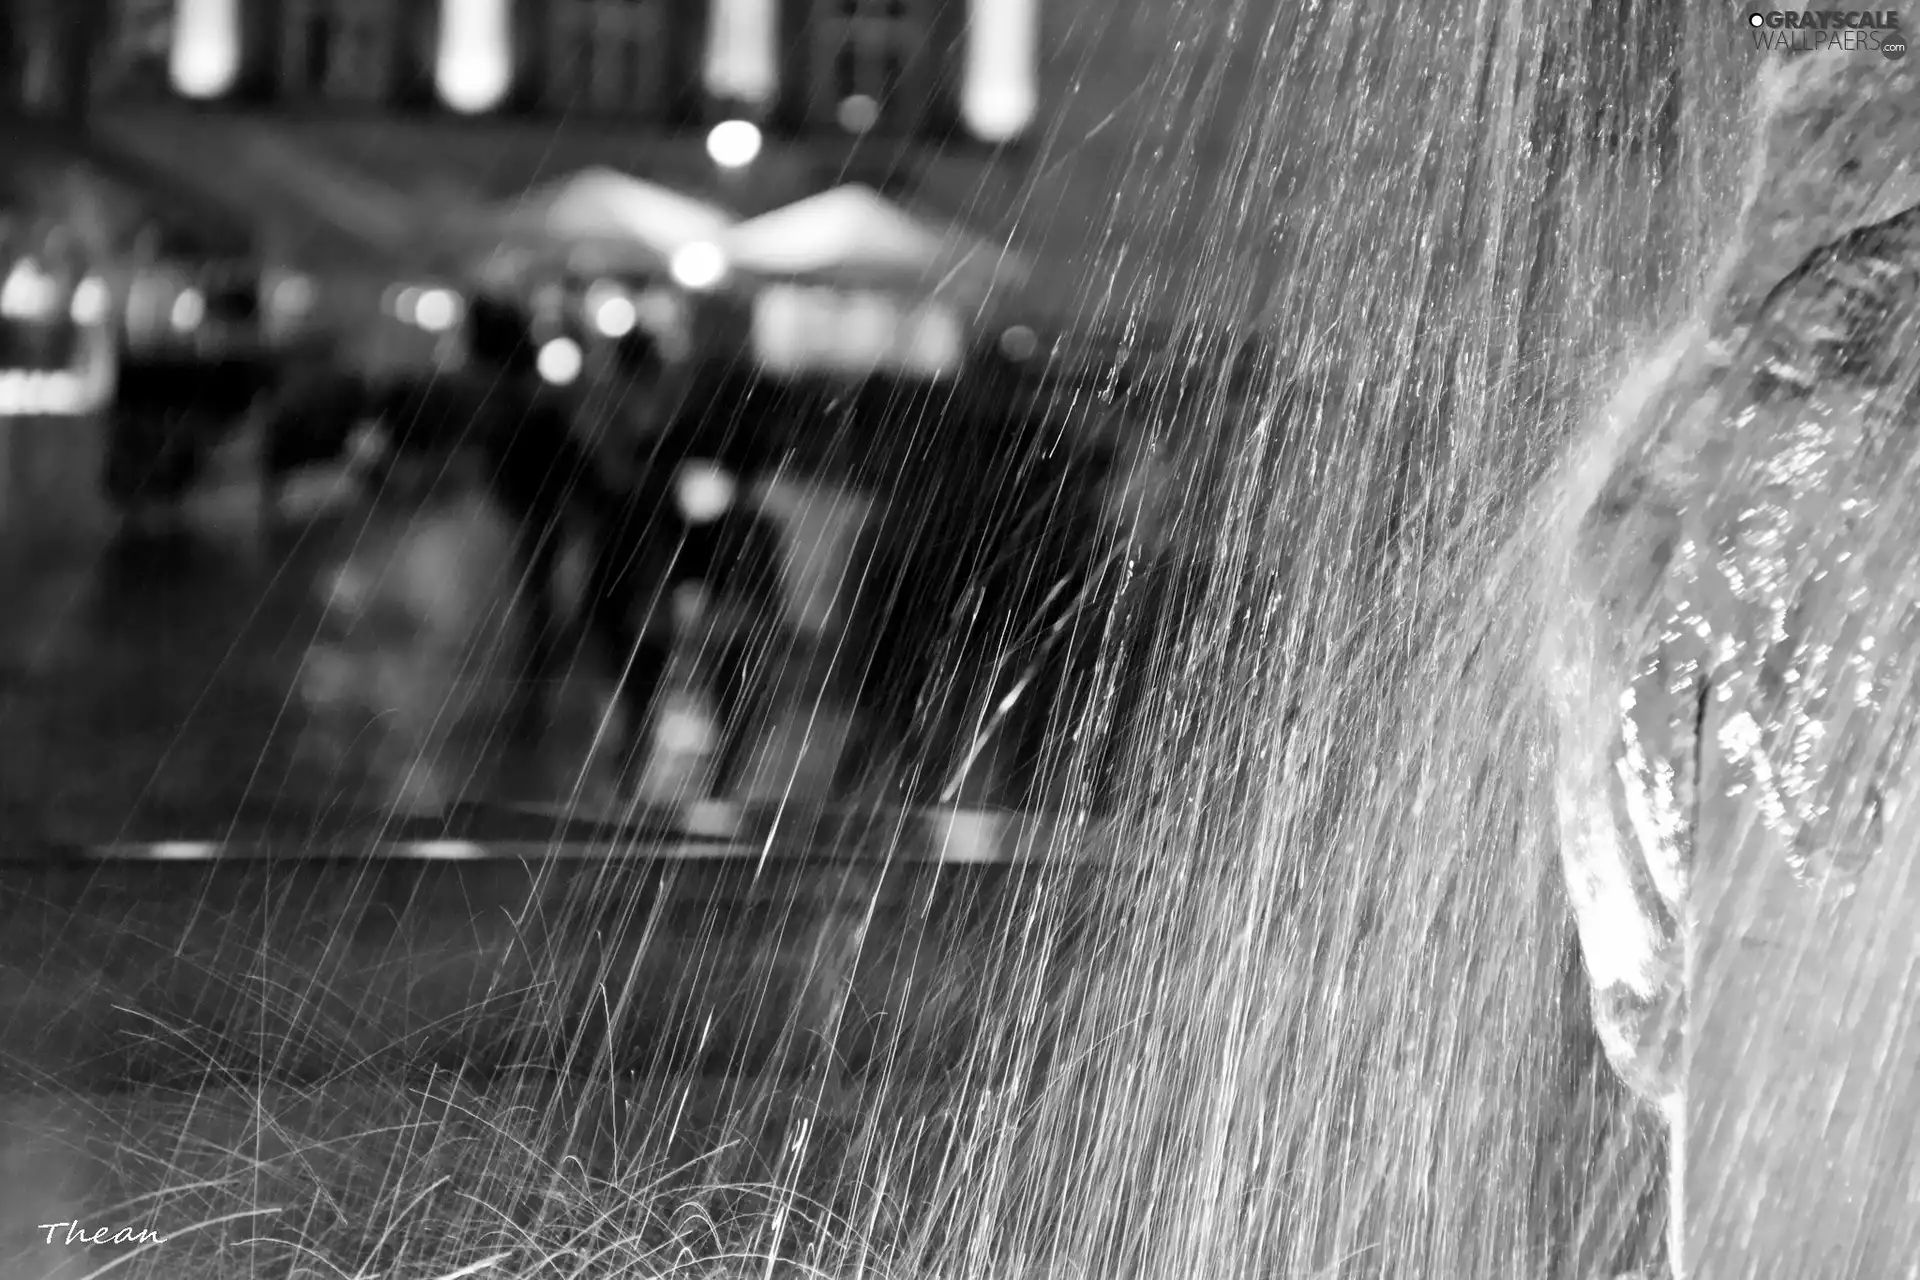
point(938, 71)
point(1020, 118)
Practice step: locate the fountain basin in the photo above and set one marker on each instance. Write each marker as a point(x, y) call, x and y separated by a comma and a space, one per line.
point(744, 939)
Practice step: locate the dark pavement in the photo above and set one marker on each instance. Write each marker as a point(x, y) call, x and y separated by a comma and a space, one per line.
point(140, 676)
point(147, 686)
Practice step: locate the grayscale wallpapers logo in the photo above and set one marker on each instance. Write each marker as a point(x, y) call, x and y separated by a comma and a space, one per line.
point(1810, 30)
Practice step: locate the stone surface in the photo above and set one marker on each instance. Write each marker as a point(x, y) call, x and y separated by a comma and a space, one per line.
point(1838, 148)
point(1803, 1143)
point(1742, 619)
point(125, 972)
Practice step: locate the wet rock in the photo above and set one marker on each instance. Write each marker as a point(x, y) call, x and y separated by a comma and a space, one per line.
point(1736, 663)
point(1837, 148)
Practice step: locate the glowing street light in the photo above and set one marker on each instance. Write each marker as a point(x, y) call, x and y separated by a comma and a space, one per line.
point(29, 293)
point(474, 68)
point(189, 310)
point(436, 310)
point(91, 303)
point(204, 60)
point(704, 491)
point(615, 317)
point(699, 266)
point(560, 361)
point(734, 144)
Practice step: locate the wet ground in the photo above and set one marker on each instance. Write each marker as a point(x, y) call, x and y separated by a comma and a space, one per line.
point(146, 679)
point(147, 674)
point(146, 682)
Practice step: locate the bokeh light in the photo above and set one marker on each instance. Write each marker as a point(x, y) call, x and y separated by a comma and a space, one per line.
point(999, 95)
point(204, 60)
point(858, 113)
point(704, 491)
point(189, 310)
point(615, 317)
point(436, 311)
point(560, 361)
point(91, 302)
point(734, 144)
point(474, 68)
point(699, 266)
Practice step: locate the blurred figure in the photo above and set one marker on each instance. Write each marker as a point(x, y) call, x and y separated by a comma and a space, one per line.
point(681, 556)
point(498, 336)
point(449, 611)
point(421, 617)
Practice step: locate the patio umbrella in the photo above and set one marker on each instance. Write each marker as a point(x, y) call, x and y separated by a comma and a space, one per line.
point(606, 208)
point(596, 222)
point(854, 236)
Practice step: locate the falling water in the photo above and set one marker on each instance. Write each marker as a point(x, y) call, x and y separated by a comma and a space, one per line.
point(1358, 1043)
